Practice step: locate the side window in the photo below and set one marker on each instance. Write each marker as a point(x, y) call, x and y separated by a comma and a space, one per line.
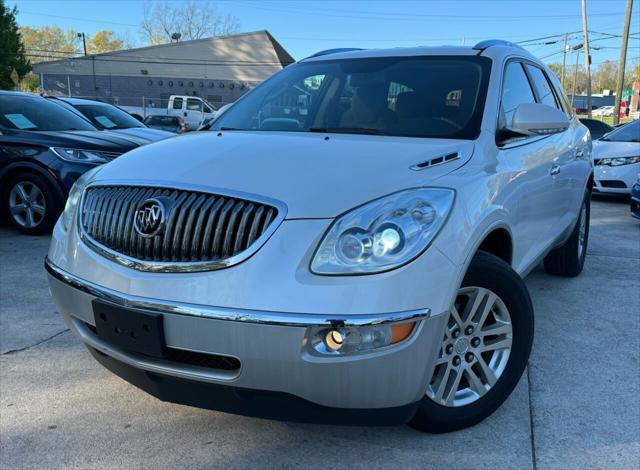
point(515, 90)
point(177, 103)
point(194, 105)
point(562, 96)
point(543, 87)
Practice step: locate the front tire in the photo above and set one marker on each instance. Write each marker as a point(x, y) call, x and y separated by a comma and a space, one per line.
point(485, 348)
point(31, 204)
point(568, 260)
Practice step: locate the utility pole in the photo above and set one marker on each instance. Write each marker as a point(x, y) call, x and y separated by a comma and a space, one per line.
point(587, 56)
point(564, 57)
point(621, 63)
point(84, 42)
point(575, 72)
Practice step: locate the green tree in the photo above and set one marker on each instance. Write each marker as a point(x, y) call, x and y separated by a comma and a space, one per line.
point(12, 53)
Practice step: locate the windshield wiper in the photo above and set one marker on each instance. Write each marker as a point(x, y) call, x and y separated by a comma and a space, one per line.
point(231, 129)
point(348, 130)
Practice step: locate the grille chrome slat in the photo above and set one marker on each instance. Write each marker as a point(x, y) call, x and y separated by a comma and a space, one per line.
point(188, 228)
point(230, 230)
point(218, 234)
point(198, 231)
point(242, 227)
point(202, 230)
point(205, 247)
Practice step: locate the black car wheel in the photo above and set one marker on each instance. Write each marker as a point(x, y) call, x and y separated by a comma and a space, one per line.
point(568, 260)
point(31, 204)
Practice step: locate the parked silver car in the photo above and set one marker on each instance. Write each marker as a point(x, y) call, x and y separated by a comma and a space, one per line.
point(348, 245)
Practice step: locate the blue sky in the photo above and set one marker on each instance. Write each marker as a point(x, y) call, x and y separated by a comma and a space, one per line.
point(304, 27)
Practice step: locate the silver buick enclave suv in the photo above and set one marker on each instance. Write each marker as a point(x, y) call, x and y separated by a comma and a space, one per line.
point(347, 245)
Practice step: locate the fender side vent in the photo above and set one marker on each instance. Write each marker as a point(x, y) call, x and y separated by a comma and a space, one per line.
point(436, 161)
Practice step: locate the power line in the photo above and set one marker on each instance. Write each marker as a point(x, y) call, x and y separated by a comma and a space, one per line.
point(354, 14)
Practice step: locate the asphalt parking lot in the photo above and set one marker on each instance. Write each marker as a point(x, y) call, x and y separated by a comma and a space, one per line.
point(578, 405)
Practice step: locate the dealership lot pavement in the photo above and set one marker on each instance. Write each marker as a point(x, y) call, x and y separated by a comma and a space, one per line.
point(578, 406)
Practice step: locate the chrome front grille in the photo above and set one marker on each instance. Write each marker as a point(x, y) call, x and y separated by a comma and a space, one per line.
point(200, 230)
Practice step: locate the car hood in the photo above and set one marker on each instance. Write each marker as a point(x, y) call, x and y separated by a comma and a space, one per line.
point(607, 149)
point(142, 135)
point(315, 175)
point(94, 140)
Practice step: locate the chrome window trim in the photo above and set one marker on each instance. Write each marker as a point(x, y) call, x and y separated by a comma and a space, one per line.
point(188, 266)
point(230, 314)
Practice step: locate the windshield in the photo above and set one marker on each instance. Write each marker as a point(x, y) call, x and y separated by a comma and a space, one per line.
point(105, 116)
point(38, 114)
point(627, 133)
point(435, 96)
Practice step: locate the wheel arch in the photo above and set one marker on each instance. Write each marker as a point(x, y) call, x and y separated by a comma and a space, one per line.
point(498, 242)
point(18, 168)
point(590, 183)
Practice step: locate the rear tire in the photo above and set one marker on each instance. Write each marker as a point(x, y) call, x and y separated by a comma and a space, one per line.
point(31, 204)
point(487, 344)
point(568, 260)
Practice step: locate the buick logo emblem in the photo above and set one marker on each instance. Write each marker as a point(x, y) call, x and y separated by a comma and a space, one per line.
point(149, 218)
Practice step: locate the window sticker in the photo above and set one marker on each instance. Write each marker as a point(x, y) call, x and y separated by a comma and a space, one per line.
point(105, 121)
point(20, 121)
point(453, 98)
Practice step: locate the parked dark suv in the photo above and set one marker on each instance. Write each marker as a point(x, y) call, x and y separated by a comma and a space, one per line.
point(44, 148)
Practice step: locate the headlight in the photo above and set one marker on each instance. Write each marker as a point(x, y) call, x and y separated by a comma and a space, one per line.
point(83, 156)
point(383, 234)
point(74, 196)
point(619, 161)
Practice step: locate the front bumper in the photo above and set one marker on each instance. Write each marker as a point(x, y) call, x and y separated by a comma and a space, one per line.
point(247, 402)
point(615, 179)
point(269, 347)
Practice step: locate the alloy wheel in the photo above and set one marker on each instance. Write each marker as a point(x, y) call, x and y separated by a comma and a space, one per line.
point(475, 349)
point(27, 204)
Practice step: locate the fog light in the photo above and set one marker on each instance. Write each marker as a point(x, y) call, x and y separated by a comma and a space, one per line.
point(357, 339)
point(334, 340)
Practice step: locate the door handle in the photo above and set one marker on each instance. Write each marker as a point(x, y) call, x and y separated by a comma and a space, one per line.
point(555, 169)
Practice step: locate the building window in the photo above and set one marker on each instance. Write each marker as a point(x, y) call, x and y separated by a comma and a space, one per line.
point(149, 82)
point(160, 82)
point(180, 83)
point(211, 84)
point(191, 84)
point(170, 83)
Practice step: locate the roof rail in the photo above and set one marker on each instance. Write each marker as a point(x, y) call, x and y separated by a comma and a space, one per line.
point(482, 45)
point(335, 51)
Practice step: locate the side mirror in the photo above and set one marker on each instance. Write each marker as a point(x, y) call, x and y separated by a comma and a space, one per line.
point(537, 119)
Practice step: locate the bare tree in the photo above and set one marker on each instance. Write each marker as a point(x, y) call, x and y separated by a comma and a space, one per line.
point(191, 19)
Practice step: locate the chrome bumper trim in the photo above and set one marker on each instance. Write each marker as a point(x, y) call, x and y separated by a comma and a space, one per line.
point(230, 314)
